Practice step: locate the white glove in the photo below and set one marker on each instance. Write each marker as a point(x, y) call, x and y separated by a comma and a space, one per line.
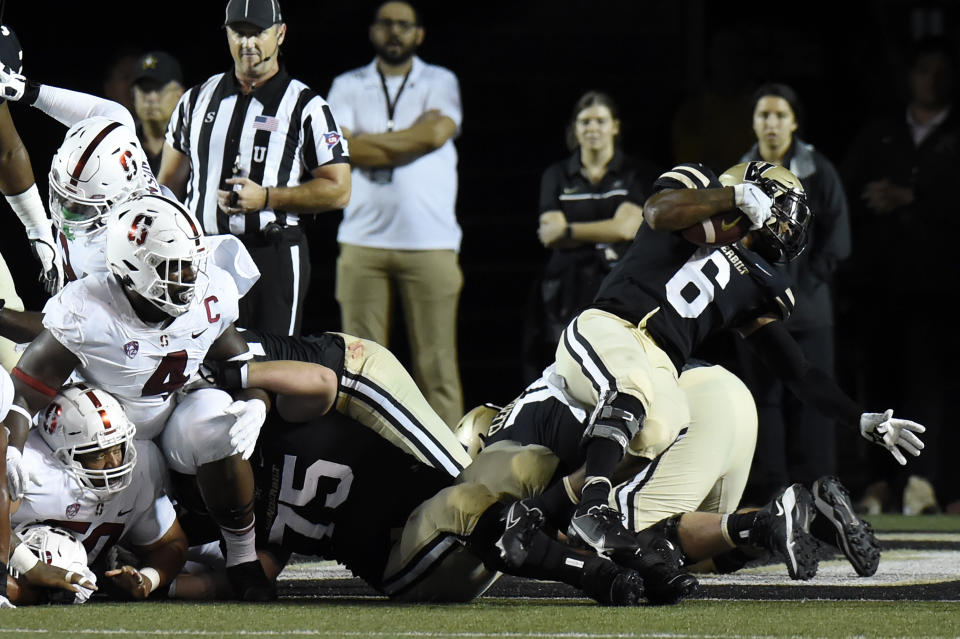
point(752, 200)
point(51, 266)
point(5, 603)
point(12, 84)
point(29, 208)
point(884, 430)
point(244, 432)
point(83, 594)
point(18, 475)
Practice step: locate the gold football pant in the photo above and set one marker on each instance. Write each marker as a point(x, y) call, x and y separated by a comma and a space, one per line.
point(8, 292)
point(429, 284)
point(377, 391)
point(600, 352)
point(430, 562)
point(706, 467)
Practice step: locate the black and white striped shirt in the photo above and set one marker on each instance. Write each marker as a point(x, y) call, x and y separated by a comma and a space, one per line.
point(274, 136)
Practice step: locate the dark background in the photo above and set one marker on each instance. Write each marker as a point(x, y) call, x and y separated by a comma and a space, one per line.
point(521, 66)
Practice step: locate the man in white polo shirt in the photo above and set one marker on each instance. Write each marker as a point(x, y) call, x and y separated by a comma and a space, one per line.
point(399, 234)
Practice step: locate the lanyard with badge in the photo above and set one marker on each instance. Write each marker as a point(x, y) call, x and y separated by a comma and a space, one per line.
point(384, 174)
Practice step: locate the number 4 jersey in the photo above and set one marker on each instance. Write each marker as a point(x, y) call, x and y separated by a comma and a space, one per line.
point(139, 363)
point(687, 292)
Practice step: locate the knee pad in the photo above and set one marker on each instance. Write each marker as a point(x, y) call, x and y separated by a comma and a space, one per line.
point(198, 431)
point(617, 417)
point(663, 529)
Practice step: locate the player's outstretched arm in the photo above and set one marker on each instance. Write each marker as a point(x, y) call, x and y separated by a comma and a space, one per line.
point(20, 327)
point(41, 371)
point(162, 561)
point(675, 209)
point(776, 347)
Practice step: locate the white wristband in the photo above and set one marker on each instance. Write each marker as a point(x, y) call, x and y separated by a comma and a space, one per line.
point(244, 372)
point(738, 194)
point(29, 208)
point(23, 560)
point(151, 575)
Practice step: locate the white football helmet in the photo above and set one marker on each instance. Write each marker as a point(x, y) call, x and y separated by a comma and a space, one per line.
point(99, 165)
point(157, 248)
point(54, 546)
point(80, 420)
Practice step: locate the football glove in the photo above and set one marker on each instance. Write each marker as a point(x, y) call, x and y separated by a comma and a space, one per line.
point(18, 475)
point(5, 603)
point(893, 434)
point(51, 266)
point(753, 201)
point(245, 430)
point(12, 84)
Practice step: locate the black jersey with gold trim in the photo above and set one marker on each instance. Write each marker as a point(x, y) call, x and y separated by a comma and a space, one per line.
point(688, 292)
point(326, 349)
point(333, 488)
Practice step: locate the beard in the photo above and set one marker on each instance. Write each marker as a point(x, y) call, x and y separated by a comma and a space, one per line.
point(392, 55)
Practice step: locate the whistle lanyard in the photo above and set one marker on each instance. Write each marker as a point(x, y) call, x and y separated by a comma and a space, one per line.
point(391, 106)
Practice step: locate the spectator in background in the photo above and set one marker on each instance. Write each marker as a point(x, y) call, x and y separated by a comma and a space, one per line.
point(904, 169)
point(796, 442)
point(591, 205)
point(399, 234)
point(157, 86)
point(258, 149)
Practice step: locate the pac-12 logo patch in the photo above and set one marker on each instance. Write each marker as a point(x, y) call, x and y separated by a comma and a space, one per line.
point(72, 510)
point(131, 348)
point(331, 139)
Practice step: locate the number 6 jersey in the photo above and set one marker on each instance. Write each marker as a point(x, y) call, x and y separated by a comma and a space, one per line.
point(687, 292)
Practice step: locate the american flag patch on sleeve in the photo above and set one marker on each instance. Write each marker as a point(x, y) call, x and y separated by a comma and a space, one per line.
point(266, 123)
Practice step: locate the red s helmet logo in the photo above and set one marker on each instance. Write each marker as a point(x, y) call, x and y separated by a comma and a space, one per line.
point(138, 229)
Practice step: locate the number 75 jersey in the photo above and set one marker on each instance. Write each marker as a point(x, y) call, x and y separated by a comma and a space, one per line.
point(685, 292)
point(139, 363)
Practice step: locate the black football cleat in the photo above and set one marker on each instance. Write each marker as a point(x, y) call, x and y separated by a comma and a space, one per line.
point(521, 525)
point(661, 567)
point(601, 528)
point(250, 583)
point(837, 524)
point(783, 526)
point(609, 584)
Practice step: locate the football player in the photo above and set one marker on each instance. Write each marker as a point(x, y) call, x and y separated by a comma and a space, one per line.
point(333, 488)
point(687, 493)
point(95, 481)
point(37, 574)
point(621, 358)
point(356, 377)
point(139, 332)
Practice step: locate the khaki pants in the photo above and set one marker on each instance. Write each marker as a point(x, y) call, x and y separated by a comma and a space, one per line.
point(8, 355)
point(429, 563)
point(429, 284)
point(706, 468)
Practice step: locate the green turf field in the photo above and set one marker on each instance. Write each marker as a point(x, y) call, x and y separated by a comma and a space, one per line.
point(760, 603)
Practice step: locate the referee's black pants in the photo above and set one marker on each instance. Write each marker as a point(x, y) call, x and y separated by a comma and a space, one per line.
point(275, 303)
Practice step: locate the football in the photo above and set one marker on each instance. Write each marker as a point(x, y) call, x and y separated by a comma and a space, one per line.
point(722, 228)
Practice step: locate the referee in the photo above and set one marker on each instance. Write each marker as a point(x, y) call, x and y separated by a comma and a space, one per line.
point(248, 152)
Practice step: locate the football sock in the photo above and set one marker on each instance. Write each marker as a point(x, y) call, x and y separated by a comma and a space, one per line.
point(596, 491)
point(241, 546)
point(735, 527)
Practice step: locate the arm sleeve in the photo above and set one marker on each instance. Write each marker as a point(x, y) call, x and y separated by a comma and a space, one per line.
point(69, 107)
point(773, 344)
point(178, 130)
point(445, 96)
point(550, 189)
point(323, 141)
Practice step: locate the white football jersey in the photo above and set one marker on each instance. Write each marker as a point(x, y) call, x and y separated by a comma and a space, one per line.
point(6, 393)
point(140, 514)
point(140, 364)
